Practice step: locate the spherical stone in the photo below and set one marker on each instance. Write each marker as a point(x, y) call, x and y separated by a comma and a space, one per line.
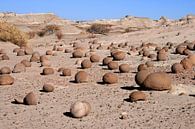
point(95, 58)
point(137, 96)
point(110, 78)
point(177, 68)
point(119, 55)
point(49, 52)
point(66, 72)
point(77, 54)
point(26, 63)
point(48, 87)
point(30, 99)
point(162, 57)
point(80, 109)
point(6, 79)
point(124, 68)
point(112, 65)
point(16, 50)
point(5, 70)
point(48, 71)
point(106, 60)
point(43, 57)
point(86, 63)
point(187, 64)
point(142, 67)
point(5, 57)
point(81, 77)
point(158, 81)
point(35, 59)
point(141, 76)
point(18, 68)
point(20, 53)
point(180, 50)
point(45, 63)
point(192, 58)
point(28, 51)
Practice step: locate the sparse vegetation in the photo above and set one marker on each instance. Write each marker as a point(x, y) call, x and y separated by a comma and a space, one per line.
point(50, 29)
point(132, 29)
point(99, 28)
point(9, 32)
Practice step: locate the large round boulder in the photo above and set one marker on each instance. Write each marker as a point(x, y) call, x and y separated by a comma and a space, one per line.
point(158, 81)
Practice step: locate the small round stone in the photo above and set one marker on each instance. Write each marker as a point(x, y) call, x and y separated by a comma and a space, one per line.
point(106, 60)
point(30, 99)
point(81, 77)
point(112, 65)
point(26, 63)
point(48, 71)
point(137, 96)
point(95, 58)
point(124, 68)
point(5, 70)
point(86, 63)
point(6, 79)
point(48, 87)
point(66, 72)
point(18, 68)
point(110, 78)
point(77, 54)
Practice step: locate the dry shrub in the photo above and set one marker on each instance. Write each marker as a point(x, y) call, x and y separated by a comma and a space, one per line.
point(48, 30)
point(9, 32)
point(132, 29)
point(99, 28)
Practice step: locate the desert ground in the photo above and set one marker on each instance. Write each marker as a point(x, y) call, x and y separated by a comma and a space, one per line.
point(167, 109)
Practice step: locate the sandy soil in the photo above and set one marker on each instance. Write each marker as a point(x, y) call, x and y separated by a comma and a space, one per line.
point(161, 110)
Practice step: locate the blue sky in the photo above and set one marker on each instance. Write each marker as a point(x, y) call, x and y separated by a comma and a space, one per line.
point(102, 9)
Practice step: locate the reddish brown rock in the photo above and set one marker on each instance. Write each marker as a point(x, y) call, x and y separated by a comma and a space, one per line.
point(6, 79)
point(137, 96)
point(124, 68)
point(158, 81)
point(81, 77)
point(30, 99)
point(110, 78)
